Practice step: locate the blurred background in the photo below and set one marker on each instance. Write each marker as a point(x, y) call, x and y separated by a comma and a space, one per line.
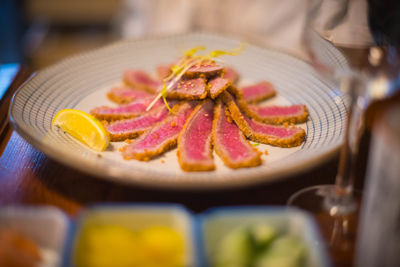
point(40, 32)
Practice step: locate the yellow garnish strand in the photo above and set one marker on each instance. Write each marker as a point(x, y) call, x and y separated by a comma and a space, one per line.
point(171, 84)
point(233, 52)
point(176, 70)
point(193, 51)
point(189, 60)
point(164, 96)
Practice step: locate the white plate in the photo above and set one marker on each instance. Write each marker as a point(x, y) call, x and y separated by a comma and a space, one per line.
point(81, 82)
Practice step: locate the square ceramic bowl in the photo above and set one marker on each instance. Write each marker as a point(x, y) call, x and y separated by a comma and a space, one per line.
point(47, 227)
point(135, 218)
point(213, 225)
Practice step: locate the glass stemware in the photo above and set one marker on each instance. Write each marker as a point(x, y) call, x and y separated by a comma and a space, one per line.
point(336, 206)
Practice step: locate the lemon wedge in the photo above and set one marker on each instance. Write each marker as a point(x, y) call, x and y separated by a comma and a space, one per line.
point(84, 127)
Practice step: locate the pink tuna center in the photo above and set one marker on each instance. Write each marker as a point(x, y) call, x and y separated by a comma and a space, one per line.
point(142, 78)
point(135, 107)
point(137, 123)
point(217, 84)
point(168, 130)
point(256, 90)
point(272, 130)
point(230, 74)
point(277, 110)
point(197, 146)
point(232, 140)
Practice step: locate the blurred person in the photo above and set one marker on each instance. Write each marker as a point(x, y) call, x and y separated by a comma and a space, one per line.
point(277, 23)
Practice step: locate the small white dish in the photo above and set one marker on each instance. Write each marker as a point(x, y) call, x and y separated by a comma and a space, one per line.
point(136, 218)
point(47, 227)
point(214, 224)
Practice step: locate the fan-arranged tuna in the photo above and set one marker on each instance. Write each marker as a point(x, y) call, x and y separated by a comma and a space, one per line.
point(196, 106)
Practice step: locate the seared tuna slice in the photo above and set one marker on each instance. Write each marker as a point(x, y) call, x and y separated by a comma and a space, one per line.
point(278, 114)
point(131, 128)
point(161, 137)
point(140, 80)
point(231, 75)
point(263, 133)
point(133, 109)
point(270, 114)
point(258, 92)
point(163, 71)
point(229, 142)
point(217, 85)
point(206, 69)
point(194, 141)
point(125, 95)
point(189, 89)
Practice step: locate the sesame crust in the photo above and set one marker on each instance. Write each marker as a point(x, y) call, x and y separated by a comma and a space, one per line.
point(146, 155)
point(133, 133)
point(215, 94)
point(113, 117)
point(299, 118)
point(251, 162)
point(208, 75)
point(119, 99)
point(124, 136)
point(140, 86)
point(172, 94)
point(237, 116)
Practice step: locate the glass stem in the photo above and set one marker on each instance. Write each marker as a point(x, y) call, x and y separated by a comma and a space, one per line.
point(341, 200)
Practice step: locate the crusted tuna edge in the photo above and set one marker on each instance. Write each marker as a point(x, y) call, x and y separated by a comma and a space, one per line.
point(163, 71)
point(115, 116)
point(122, 115)
point(251, 162)
point(123, 99)
point(134, 133)
point(238, 117)
point(119, 99)
point(178, 95)
point(261, 97)
point(217, 93)
point(168, 145)
point(236, 79)
point(139, 86)
point(244, 106)
point(194, 166)
point(201, 74)
point(301, 116)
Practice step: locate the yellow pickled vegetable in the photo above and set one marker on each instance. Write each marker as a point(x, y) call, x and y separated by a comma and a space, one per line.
point(117, 246)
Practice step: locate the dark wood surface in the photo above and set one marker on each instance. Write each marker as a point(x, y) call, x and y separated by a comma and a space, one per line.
point(27, 176)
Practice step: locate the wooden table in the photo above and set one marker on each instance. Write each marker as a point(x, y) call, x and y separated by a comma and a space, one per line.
point(27, 176)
